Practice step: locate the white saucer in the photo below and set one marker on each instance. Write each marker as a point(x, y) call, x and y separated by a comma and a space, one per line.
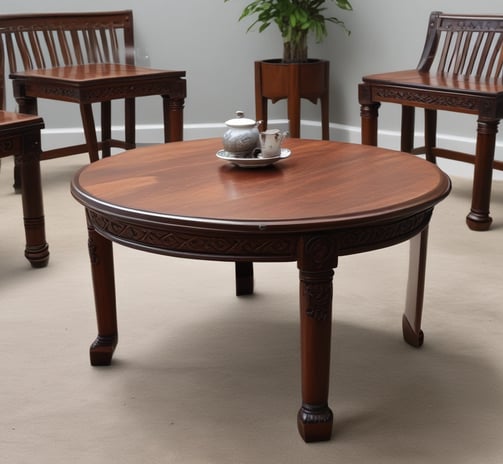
point(253, 162)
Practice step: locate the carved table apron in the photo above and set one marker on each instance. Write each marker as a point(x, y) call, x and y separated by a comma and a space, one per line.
point(327, 200)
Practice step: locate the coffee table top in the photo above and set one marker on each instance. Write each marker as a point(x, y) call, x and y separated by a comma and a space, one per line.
point(322, 185)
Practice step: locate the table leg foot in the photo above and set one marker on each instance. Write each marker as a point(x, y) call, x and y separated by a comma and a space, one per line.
point(102, 350)
point(478, 222)
point(315, 423)
point(412, 337)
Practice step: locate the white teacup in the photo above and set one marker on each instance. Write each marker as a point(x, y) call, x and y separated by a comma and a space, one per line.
point(270, 143)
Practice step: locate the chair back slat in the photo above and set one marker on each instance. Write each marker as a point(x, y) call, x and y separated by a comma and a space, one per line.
point(79, 57)
point(50, 45)
point(37, 52)
point(464, 45)
point(64, 48)
point(34, 41)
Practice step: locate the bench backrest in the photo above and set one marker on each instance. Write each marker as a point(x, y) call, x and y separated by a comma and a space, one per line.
point(46, 40)
point(464, 45)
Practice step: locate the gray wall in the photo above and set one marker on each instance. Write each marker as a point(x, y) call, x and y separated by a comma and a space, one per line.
point(204, 38)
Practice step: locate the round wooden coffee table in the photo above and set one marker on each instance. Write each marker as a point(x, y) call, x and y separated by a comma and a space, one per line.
point(326, 200)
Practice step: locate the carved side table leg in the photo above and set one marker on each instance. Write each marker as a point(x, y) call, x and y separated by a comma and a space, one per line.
point(102, 268)
point(316, 263)
point(478, 219)
point(411, 320)
point(244, 278)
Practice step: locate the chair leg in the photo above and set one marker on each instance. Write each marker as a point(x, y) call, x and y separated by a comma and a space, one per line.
point(369, 114)
point(407, 130)
point(86, 112)
point(478, 219)
point(106, 128)
point(130, 123)
point(325, 130)
point(430, 133)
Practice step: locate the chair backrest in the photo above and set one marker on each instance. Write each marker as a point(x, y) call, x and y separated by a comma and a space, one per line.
point(46, 40)
point(464, 45)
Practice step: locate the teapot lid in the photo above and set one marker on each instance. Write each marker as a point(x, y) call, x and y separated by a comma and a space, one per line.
point(241, 121)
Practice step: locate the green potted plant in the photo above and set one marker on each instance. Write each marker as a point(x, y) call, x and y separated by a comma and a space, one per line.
point(295, 19)
point(294, 76)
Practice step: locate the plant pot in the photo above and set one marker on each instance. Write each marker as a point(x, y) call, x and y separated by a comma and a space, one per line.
point(275, 80)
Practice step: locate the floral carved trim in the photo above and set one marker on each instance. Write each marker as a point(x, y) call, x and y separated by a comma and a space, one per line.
point(197, 244)
point(175, 89)
point(360, 239)
point(319, 299)
point(427, 98)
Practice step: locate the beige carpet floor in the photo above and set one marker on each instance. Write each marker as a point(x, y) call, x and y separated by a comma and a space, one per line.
point(201, 376)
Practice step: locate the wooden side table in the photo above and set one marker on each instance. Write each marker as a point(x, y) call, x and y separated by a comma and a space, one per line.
point(275, 81)
point(20, 136)
point(327, 200)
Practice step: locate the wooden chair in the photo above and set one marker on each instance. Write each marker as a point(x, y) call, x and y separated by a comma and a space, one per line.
point(460, 70)
point(86, 58)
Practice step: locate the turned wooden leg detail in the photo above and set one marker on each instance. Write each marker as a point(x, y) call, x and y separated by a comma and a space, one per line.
point(102, 268)
point(316, 263)
point(478, 219)
point(369, 115)
point(173, 118)
point(37, 249)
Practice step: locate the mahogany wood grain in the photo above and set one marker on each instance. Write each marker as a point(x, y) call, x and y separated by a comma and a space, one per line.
point(327, 200)
point(460, 70)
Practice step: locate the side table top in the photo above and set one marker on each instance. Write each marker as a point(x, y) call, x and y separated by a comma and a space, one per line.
point(323, 185)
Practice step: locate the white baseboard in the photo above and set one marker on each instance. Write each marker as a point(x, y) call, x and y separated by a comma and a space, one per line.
point(146, 134)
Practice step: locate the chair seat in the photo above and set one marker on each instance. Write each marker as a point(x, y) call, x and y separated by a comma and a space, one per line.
point(492, 86)
point(14, 121)
point(87, 76)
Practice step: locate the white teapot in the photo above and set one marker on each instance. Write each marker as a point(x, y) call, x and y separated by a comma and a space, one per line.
point(242, 136)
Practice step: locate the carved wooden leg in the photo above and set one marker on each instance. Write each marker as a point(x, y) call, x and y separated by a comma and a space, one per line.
point(411, 320)
point(369, 113)
point(316, 261)
point(102, 268)
point(173, 118)
point(26, 105)
point(86, 112)
point(478, 219)
point(244, 278)
point(37, 249)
